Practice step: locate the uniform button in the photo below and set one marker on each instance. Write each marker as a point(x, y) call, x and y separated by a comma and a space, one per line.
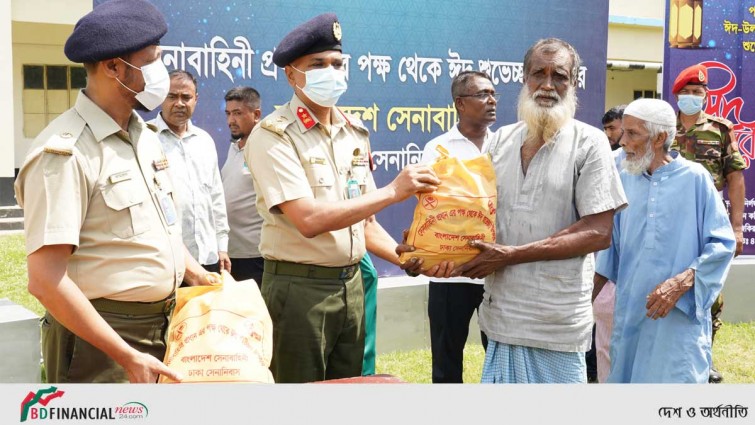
point(652, 199)
point(651, 215)
point(655, 183)
point(321, 180)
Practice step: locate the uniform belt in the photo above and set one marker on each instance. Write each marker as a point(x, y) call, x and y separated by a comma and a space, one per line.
point(310, 270)
point(134, 308)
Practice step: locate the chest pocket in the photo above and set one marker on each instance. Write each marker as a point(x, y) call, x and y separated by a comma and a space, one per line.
point(707, 149)
point(321, 180)
point(126, 202)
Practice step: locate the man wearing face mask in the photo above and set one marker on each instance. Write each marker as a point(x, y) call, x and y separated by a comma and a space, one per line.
point(709, 140)
point(102, 236)
point(311, 168)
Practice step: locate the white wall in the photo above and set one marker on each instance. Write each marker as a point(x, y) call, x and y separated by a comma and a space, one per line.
point(6, 88)
point(635, 43)
point(50, 11)
point(654, 9)
point(33, 44)
point(620, 85)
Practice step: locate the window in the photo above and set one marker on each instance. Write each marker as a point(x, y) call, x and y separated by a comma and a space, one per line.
point(49, 90)
point(646, 94)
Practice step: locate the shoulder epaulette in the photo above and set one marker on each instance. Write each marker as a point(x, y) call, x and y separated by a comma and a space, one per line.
point(722, 121)
point(354, 122)
point(152, 127)
point(62, 142)
point(276, 122)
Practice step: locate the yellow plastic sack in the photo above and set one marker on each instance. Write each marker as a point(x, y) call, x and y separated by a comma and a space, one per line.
point(462, 209)
point(220, 333)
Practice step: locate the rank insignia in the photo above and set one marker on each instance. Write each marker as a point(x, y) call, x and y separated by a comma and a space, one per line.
point(337, 31)
point(60, 144)
point(305, 118)
point(359, 161)
point(160, 164)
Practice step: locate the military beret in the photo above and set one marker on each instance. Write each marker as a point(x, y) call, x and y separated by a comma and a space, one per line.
point(115, 28)
point(321, 33)
point(695, 74)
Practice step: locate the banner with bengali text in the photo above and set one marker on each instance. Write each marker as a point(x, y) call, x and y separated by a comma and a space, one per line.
point(721, 35)
point(400, 56)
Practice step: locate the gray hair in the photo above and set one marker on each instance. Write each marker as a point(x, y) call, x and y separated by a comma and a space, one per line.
point(460, 82)
point(655, 129)
point(553, 45)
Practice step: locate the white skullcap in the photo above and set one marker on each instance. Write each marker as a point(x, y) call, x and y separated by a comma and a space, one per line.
point(654, 111)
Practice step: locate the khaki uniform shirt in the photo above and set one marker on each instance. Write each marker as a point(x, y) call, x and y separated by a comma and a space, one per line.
point(87, 183)
point(292, 156)
point(710, 143)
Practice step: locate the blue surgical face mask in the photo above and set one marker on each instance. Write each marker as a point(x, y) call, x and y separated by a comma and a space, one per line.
point(690, 104)
point(324, 85)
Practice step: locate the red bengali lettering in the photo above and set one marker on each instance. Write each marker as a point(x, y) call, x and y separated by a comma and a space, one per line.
point(731, 108)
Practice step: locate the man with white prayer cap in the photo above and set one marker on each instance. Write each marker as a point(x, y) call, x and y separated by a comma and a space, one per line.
point(667, 275)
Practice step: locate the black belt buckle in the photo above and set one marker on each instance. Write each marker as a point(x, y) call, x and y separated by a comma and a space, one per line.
point(348, 272)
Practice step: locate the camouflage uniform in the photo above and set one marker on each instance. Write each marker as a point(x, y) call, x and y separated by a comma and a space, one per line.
point(710, 143)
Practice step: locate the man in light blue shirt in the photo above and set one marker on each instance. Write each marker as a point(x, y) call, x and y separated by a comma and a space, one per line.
point(193, 163)
point(670, 252)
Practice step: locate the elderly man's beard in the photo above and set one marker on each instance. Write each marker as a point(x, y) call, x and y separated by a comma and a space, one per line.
point(640, 165)
point(543, 122)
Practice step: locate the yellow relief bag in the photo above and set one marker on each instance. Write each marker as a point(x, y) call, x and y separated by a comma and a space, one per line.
point(462, 209)
point(220, 333)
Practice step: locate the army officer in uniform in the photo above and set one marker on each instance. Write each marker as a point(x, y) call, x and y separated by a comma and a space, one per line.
point(102, 238)
point(311, 168)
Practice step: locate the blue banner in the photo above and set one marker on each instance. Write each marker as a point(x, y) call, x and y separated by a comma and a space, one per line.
point(401, 57)
point(721, 35)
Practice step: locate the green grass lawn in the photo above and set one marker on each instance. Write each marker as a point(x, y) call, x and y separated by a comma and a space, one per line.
point(13, 273)
point(733, 352)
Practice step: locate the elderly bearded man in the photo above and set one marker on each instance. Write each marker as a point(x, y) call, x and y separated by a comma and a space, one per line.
point(670, 252)
point(558, 189)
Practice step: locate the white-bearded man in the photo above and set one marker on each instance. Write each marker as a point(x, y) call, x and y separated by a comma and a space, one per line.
point(670, 252)
point(558, 190)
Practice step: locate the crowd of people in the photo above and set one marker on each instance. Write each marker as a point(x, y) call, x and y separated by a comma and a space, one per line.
point(617, 239)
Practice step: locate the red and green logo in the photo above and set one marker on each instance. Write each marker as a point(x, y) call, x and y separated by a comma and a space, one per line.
point(43, 397)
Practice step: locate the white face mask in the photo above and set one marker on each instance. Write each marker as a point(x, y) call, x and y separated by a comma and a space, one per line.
point(156, 84)
point(324, 85)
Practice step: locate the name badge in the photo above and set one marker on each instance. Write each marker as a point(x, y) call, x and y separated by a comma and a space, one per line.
point(119, 177)
point(352, 189)
point(169, 209)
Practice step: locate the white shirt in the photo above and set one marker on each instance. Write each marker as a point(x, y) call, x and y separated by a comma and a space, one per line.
point(241, 200)
point(460, 147)
point(193, 164)
point(546, 304)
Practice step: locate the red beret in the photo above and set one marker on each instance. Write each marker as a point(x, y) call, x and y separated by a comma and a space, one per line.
point(695, 74)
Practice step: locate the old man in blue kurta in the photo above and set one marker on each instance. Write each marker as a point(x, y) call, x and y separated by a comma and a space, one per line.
point(670, 251)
